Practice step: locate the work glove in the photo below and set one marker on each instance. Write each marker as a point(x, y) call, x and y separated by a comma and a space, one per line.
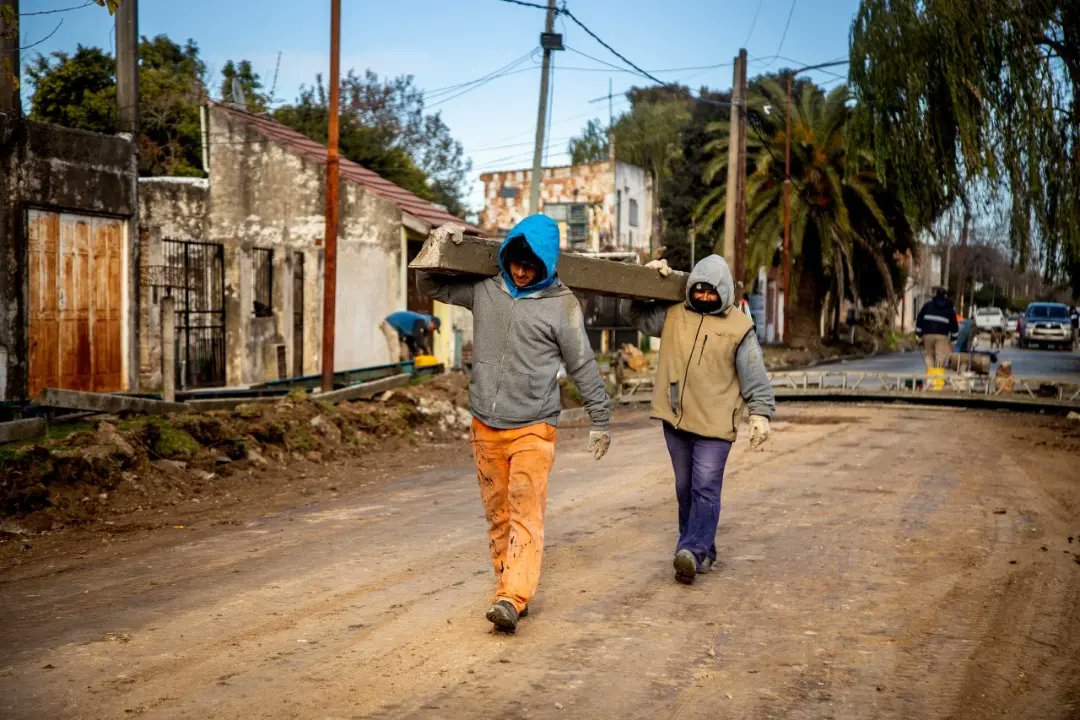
point(451, 230)
point(659, 266)
point(759, 430)
point(599, 442)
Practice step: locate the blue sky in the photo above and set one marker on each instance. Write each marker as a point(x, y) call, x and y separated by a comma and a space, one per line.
point(443, 43)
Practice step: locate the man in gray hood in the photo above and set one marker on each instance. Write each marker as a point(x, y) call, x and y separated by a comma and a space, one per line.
point(525, 324)
point(710, 365)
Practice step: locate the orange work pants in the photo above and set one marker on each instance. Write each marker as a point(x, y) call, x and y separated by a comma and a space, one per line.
point(512, 469)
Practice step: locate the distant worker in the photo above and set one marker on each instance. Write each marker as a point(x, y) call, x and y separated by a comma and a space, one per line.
point(936, 326)
point(526, 324)
point(710, 366)
point(411, 329)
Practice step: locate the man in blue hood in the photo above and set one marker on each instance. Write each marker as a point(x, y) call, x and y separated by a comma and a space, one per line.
point(526, 324)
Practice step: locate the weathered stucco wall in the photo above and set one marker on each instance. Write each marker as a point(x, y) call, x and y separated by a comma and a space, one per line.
point(55, 168)
point(169, 209)
point(607, 195)
point(262, 195)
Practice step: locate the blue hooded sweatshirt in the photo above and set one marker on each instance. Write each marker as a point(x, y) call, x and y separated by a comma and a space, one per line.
point(541, 233)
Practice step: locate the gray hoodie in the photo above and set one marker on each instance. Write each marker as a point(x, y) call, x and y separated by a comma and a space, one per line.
point(754, 385)
point(518, 346)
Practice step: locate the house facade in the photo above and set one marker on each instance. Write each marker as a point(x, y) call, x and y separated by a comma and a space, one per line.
point(242, 253)
point(68, 260)
point(600, 206)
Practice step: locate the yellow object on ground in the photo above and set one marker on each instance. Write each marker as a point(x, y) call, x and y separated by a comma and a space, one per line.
point(935, 378)
point(512, 469)
point(425, 361)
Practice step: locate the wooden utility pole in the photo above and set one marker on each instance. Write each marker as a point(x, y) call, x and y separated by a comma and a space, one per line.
point(127, 67)
point(734, 183)
point(330, 262)
point(541, 114)
point(787, 214)
point(9, 58)
point(740, 196)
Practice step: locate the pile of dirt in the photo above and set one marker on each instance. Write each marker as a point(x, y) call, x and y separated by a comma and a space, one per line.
point(134, 463)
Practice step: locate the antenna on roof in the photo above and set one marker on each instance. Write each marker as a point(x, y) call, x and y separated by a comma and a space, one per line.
point(236, 94)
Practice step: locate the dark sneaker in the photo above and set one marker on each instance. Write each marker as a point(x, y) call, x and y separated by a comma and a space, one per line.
point(685, 567)
point(504, 616)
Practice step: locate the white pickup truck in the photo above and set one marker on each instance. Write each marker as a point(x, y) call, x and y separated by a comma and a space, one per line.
point(990, 318)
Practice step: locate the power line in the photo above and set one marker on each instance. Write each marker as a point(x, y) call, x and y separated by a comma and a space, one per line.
point(451, 88)
point(27, 47)
point(525, 4)
point(791, 11)
point(480, 82)
point(753, 24)
point(60, 10)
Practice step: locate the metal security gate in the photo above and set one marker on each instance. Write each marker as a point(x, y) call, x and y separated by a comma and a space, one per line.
point(200, 312)
point(298, 314)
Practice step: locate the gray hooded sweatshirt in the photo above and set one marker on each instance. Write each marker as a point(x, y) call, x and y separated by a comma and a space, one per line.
point(518, 346)
point(754, 385)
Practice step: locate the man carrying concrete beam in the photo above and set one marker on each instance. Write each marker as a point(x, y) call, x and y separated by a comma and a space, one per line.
point(710, 365)
point(525, 324)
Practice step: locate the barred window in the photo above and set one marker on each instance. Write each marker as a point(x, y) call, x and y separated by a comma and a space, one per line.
point(263, 265)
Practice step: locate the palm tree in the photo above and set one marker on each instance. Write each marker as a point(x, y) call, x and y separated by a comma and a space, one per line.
point(840, 212)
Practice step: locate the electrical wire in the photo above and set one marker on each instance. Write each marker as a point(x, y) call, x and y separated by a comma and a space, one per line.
point(753, 24)
point(451, 88)
point(60, 10)
point(783, 37)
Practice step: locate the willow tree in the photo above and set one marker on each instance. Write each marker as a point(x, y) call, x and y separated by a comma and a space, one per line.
point(842, 217)
point(958, 97)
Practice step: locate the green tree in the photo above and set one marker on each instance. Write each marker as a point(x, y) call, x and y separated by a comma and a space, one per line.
point(957, 97)
point(76, 90)
point(591, 146)
point(79, 91)
point(842, 218)
point(357, 141)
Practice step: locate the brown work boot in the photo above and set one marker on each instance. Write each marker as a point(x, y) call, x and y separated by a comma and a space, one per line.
point(504, 616)
point(685, 566)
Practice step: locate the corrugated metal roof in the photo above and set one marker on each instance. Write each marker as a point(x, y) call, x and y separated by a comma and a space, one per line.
point(406, 201)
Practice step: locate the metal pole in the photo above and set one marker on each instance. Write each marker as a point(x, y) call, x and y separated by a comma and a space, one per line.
point(9, 58)
point(730, 211)
point(330, 263)
point(541, 116)
point(127, 67)
point(787, 216)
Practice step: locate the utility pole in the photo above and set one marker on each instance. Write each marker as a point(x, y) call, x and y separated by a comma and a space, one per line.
point(9, 58)
point(693, 243)
point(330, 262)
point(787, 213)
point(740, 196)
point(127, 67)
point(548, 43)
point(734, 184)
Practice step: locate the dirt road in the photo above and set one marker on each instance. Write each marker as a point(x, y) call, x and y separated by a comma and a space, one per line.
point(879, 562)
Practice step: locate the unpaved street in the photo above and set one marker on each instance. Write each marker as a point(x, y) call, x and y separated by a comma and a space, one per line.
point(879, 562)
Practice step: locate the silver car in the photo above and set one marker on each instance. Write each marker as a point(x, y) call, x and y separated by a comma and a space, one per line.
point(1047, 324)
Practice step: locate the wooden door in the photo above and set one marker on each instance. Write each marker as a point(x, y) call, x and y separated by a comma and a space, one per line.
point(76, 302)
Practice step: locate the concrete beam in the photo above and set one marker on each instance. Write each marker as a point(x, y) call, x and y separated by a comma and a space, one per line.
point(477, 256)
point(101, 402)
point(229, 403)
point(364, 391)
point(16, 430)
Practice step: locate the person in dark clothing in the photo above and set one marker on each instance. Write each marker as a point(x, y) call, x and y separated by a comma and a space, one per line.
point(935, 326)
point(412, 328)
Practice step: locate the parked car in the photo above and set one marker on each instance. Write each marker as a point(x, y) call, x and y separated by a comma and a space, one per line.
point(1012, 323)
point(990, 318)
point(1046, 324)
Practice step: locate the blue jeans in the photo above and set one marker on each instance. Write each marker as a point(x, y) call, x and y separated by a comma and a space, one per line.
point(699, 464)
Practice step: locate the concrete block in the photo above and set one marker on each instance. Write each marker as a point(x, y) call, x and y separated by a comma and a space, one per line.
point(102, 402)
point(16, 430)
point(477, 256)
point(365, 390)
